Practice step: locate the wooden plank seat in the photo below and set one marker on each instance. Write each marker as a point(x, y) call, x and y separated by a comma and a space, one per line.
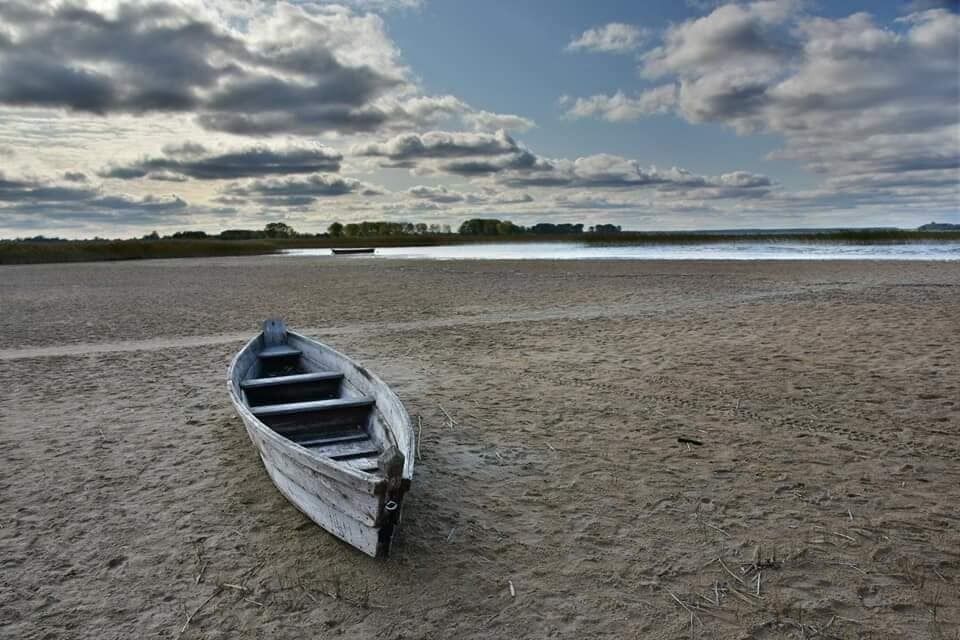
point(259, 383)
point(310, 440)
point(299, 387)
point(309, 407)
point(279, 360)
point(278, 351)
point(301, 420)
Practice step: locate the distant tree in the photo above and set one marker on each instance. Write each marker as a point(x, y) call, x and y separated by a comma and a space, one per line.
point(421, 228)
point(481, 227)
point(351, 230)
point(241, 234)
point(606, 228)
point(446, 229)
point(152, 236)
point(189, 235)
point(279, 230)
point(335, 230)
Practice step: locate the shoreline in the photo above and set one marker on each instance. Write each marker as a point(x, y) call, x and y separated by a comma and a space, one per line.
point(72, 251)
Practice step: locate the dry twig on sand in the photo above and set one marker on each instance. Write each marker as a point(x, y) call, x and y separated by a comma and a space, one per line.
point(453, 422)
point(419, 433)
point(690, 610)
point(197, 610)
point(732, 574)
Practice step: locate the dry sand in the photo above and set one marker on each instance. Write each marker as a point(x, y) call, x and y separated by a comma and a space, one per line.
point(826, 397)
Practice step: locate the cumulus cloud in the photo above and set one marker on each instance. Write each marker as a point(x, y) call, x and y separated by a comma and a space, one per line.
point(195, 161)
point(297, 192)
point(440, 195)
point(621, 108)
point(853, 100)
point(409, 147)
point(615, 37)
point(443, 195)
point(34, 202)
point(607, 171)
point(487, 121)
point(293, 69)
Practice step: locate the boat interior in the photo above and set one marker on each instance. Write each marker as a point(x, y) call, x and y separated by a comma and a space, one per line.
point(289, 391)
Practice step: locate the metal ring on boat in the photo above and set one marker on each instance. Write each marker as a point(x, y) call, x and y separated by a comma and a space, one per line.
point(391, 506)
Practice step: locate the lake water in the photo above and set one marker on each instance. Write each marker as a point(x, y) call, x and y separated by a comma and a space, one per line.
point(718, 251)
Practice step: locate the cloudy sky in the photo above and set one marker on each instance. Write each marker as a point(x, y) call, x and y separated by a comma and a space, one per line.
point(119, 118)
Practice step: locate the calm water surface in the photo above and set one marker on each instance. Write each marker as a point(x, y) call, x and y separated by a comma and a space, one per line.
point(719, 251)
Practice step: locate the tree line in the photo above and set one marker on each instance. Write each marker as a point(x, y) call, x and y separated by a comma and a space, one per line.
point(496, 227)
point(374, 229)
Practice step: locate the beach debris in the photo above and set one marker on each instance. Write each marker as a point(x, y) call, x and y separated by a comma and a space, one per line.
point(688, 440)
point(419, 433)
point(197, 610)
point(513, 592)
point(452, 423)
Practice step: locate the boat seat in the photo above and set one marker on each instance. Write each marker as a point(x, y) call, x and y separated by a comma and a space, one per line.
point(330, 438)
point(278, 351)
point(316, 418)
point(354, 448)
point(311, 407)
point(299, 378)
point(288, 388)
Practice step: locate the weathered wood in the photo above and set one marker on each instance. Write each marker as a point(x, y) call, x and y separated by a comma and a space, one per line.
point(390, 414)
point(301, 387)
point(309, 407)
point(331, 438)
point(354, 532)
point(350, 494)
point(339, 450)
point(278, 351)
point(274, 333)
point(318, 376)
point(365, 463)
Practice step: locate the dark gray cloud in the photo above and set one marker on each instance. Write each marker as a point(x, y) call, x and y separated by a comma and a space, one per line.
point(284, 78)
point(30, 202)
point(440, 144)
point(194, 161)
point(75, 176)
point(297, 191)
point(611, 172)
point(443, 195)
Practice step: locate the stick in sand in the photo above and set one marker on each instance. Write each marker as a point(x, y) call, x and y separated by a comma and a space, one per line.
point(453, 422)
point(197, 610)
point(419, 433)
point(735, 576)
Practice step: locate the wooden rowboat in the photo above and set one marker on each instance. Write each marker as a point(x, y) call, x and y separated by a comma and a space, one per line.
point(348, 252)
point(335, 440)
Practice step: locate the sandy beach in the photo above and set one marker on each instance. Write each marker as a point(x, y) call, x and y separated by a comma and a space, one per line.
point(638, 450)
